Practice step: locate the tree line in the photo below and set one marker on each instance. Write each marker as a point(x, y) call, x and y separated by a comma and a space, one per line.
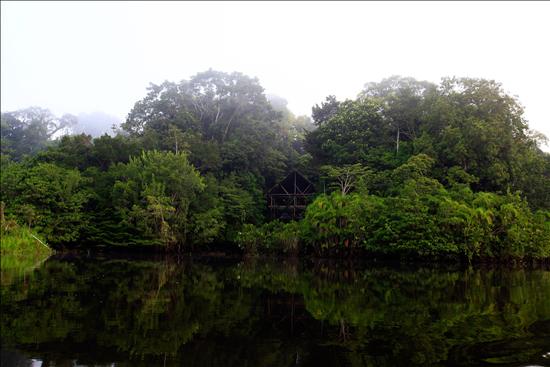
point(406, 168)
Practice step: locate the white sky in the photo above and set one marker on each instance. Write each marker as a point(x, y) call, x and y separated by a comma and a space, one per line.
point(85, 56)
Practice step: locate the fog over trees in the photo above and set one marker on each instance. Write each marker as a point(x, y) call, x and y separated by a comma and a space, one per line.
point(96, 124)
point(408, 168)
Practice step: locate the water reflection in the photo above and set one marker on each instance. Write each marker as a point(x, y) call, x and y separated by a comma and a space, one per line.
point(273, 313)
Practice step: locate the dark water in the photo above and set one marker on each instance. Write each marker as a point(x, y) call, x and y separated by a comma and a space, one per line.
point(207, 312)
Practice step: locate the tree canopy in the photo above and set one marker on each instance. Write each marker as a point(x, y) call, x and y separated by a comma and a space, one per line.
point(417, 168)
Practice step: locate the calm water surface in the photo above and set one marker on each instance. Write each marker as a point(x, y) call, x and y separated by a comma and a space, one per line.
point(213, 312)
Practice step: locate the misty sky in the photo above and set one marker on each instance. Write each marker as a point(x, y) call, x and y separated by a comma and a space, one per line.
point(84, 57)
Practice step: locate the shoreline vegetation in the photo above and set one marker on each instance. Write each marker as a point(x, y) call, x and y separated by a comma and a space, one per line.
point(436, 225)
point(409, 170)
point(21, 252)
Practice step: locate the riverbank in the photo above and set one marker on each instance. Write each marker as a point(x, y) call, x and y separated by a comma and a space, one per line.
point(227, 252)
point(21, 252)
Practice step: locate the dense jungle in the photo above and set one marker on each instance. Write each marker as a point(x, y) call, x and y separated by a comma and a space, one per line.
point(408, 169)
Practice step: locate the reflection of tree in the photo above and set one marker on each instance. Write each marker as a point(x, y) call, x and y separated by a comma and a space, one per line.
point(416, 316)
point(273, 314)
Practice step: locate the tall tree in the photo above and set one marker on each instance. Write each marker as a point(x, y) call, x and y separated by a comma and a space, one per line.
point(325, 111)
point(27, 131)
point(225, 120)
point(357, 133)
point(403, 103)
point(152, 194)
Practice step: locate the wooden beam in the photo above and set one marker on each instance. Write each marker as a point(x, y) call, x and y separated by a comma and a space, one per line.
point(282, 187)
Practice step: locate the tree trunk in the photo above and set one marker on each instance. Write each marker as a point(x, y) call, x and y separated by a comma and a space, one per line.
point(397, 141)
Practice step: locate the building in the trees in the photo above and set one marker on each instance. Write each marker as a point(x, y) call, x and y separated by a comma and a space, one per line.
point(288, 199)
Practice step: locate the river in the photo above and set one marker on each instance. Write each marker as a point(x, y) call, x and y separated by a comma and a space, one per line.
point(164, 311)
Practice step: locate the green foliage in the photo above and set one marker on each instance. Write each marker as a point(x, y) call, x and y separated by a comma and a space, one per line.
point(333, 222)
point(20, 250)
point(152, 194)
point(347, 177)
point(248, 238)
point(421, 169)
point(468, 123)
point(274, 237)
point(224, 120)
point(207, 226)
point(287, 237)
point(416, 166)
point(355, 134)
point(293, 128)
point(421, 218)
point(81, 152)
point(49, 197)
point(328, 108)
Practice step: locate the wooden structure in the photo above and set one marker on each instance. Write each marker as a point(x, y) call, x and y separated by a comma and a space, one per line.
point(289, 198)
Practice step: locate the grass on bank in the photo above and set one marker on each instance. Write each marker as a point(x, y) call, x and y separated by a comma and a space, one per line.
point(21, 251)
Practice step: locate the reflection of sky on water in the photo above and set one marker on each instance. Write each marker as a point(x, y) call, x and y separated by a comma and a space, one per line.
point(38, 363)
point(14, 358)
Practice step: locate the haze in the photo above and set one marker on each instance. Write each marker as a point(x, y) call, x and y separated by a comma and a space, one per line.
point(88, 57)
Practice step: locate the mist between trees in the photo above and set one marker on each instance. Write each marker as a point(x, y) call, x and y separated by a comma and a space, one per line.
point(408, 168)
